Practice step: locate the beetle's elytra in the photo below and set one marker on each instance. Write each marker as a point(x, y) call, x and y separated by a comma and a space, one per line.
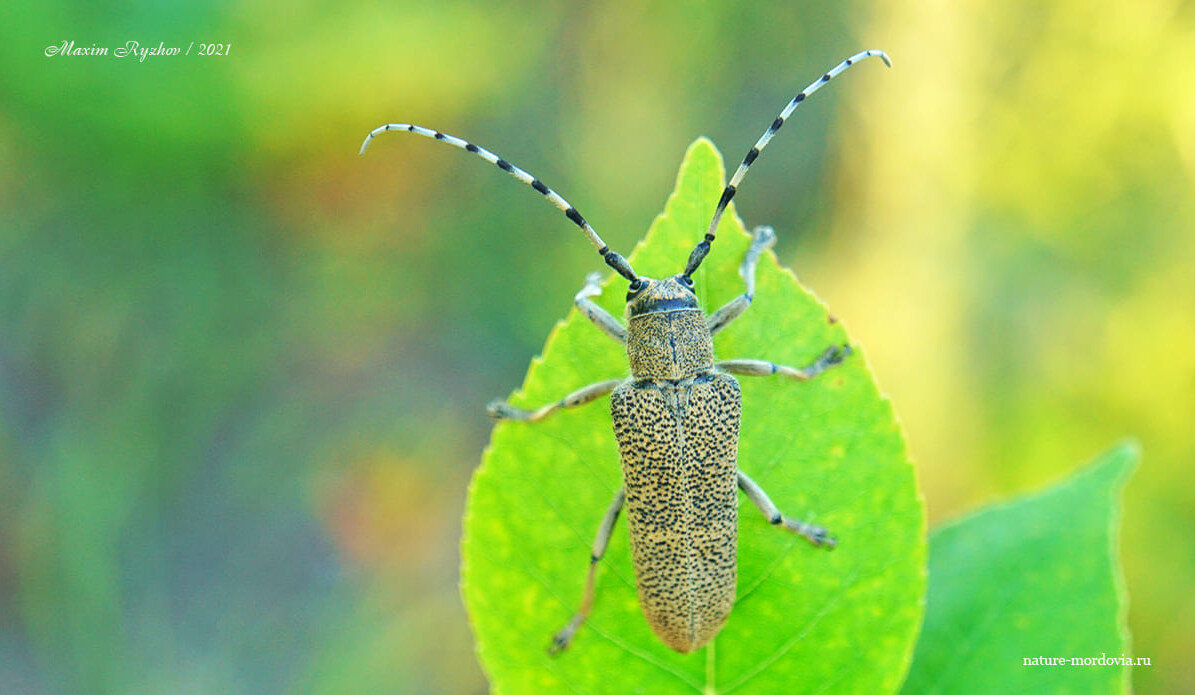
point(676, 419)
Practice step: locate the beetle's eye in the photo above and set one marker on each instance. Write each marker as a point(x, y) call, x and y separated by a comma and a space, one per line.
point(635, 288)
point(688, 282)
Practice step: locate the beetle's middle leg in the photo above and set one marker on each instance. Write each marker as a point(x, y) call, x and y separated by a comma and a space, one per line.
point(814, 534)
point(501, 410)
point(762, 239)
point(561, 639)
point(829, 358)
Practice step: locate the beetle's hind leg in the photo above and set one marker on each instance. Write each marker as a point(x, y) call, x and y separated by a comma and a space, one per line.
point(762, 239)
point(501, 410)
point(814, 534)
point(561, 639)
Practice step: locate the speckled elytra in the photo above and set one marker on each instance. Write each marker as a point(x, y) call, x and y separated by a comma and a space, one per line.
point(676, 420)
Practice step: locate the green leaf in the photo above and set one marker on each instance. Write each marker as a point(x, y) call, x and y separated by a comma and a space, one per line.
point(828, 451)
point(1036, 577)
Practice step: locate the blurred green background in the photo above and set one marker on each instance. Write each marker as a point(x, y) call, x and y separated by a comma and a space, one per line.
point(242, 370)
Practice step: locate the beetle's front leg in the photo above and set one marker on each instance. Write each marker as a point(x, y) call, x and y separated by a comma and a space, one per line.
point(829, 358)
point(501, 410)
point(814, 534)
point(763, 239)
point(604, 320)
point(561, 639)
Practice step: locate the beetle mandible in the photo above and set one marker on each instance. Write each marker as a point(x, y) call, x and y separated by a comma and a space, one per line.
point(676, 419)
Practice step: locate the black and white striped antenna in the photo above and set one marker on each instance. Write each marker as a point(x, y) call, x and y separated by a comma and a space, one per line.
point(614, 260)
point(703, 248)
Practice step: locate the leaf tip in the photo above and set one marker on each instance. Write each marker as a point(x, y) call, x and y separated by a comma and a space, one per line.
point(1117, 463)
point(703, 149)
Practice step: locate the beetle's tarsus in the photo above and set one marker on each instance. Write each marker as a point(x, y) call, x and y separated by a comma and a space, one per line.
point(835, 354)
point(501, 410)
point(562, 639)
point(559, 644)
point(763, 237)
point(832, 356)
point(822, 538)
point(818, 536)
point(592, 288)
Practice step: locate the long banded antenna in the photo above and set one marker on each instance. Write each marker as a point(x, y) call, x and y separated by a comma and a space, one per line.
point(612, 259)
point(703, 248)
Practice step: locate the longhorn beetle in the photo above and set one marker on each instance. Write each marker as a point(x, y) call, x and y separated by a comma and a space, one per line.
point(676, 419)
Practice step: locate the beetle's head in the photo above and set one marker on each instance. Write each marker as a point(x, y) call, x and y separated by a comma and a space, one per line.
point(645, 295)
